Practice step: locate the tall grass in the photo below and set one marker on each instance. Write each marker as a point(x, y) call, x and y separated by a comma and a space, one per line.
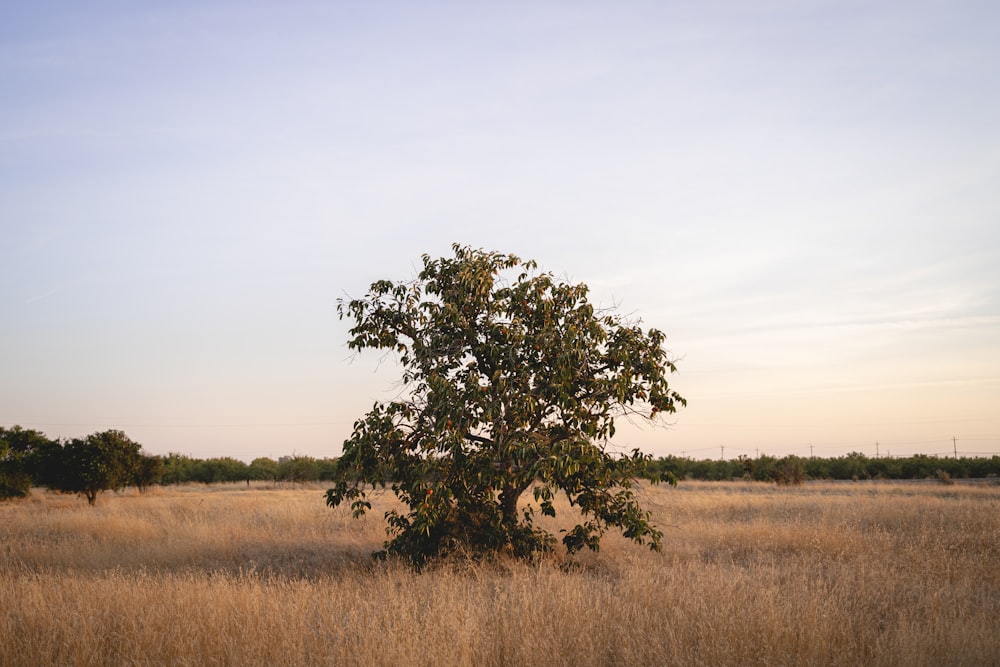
point(752, 574)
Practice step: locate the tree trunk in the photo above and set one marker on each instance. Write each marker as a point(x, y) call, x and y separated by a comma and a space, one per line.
point(508, 503)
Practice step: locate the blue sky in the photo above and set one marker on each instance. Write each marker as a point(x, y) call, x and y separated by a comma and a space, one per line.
point(802, 195)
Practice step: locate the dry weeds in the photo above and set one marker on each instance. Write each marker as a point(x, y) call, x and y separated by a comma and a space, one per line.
point(752, 574)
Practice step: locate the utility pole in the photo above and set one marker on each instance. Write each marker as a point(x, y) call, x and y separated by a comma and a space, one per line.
point(810, 450)
point(954, 445)
point(722, 454)
point(876, 449)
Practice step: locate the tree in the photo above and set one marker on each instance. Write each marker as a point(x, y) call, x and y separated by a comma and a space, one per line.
point(20, 453)
point(263, 468)
point(14, 481)
point(178, 468)
point(298, 469)
point(220, 469)
point(147, 470)
point(512, 381)
point(99, 462)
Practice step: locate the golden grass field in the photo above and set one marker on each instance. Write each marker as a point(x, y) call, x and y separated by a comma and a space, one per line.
point(751, 574)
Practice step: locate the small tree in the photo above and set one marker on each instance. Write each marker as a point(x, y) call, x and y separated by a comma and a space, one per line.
point(263, 468)
point(512, 380)
point(298, 469)
point(22, 452)
point(147, 470)
point(14, 481)
point(219, 469)
point(178, 468)
point(99, 462)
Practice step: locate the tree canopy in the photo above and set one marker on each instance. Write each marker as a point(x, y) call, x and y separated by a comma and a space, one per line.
point(17, 445)
point(25, 456)
point(99, 462)
point(512, 381)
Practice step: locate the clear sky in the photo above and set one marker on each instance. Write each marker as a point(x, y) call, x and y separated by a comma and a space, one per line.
point(804, 195)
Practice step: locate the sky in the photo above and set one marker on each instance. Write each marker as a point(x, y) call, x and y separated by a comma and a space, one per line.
point(801, 194)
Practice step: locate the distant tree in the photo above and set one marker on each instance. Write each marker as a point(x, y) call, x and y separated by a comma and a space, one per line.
point(99, 462)
point(264, 469)
point(14, 479)
point(818, 468)
point(328, 469)
point(919, 466)
point(26, 457)
point(148, 470)
point(14, 482)
point(851, 466)
point(765, 467)
point(885, 468)
point(789, 471)
point(177, 468)
point(220, 469)
point(298, 469)
point(747, 464)
point(983, 467)
point(511, 381)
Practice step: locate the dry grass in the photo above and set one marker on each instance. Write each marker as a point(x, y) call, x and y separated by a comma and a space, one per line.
point(823, 574)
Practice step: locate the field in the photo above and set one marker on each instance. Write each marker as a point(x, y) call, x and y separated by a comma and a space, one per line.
point(752, 574)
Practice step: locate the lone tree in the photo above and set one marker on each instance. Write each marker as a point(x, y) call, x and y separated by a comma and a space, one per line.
point(511, 381)
point(101, 461)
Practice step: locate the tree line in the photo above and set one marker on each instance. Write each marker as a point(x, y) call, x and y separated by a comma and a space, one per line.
point(854, 466)
point(86, 466)
point(182, 469)
point(110, 460)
